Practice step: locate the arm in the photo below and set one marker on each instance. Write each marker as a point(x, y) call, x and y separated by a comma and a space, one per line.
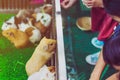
point(98, 3)
point(98, 68)
point(114, 76)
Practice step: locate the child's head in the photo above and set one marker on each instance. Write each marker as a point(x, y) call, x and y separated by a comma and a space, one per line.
point(111, 50)
point(113, 8)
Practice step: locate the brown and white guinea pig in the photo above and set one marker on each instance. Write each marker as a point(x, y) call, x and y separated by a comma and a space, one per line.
point(33, 33)
point(10, 23)
point(47, 8)
point(18, 19)
point(43, 21)
point(22, 14)
point(41, 55)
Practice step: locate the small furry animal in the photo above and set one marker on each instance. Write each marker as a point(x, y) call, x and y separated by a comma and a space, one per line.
point(33, 33)
point(9, 24)
point(43, 21)
point(47, 8)
point(19, 38)
point(41, 55)
point(43, 74)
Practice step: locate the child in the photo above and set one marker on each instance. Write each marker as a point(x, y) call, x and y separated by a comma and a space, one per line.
point(105, 24)
point(111, 52)
point(64, 3)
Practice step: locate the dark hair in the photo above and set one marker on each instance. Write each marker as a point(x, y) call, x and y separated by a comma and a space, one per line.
point(112, 7)
point(111, 50)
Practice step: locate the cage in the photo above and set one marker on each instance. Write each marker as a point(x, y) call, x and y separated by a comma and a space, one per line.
point(17, 58)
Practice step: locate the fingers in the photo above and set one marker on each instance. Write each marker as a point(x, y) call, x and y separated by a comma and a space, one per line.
point(64, 4)
point(67, 3)
point(88, 3)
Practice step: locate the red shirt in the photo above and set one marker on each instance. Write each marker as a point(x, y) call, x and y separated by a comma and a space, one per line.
point(102, 22)
point(61, 0)
point(36, 1)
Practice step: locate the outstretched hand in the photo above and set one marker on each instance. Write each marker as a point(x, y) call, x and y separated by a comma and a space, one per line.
point(67, 3)
point(93, 3)
point(88, 3)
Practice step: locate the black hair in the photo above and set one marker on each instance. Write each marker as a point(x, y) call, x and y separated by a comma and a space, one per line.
point(112, 7)
point(111, 50)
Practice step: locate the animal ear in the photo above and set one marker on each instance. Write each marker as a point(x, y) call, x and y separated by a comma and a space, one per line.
point(45, 47)
point(44, 38)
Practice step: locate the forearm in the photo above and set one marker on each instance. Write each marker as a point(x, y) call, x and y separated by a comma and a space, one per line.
point(114, 76)
point(98, 68)
point(98, 3)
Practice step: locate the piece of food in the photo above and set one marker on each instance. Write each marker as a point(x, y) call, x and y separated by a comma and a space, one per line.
point(19, 38)
point(84, 23)
point(41, 55)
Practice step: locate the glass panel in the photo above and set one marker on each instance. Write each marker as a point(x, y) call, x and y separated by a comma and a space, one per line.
point(78, 45)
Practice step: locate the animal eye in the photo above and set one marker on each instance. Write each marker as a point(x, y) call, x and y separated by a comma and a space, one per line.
point(44, 20)
point(9, 23)
point(25, 20)
point(51, 44)
point(42, 17)
point(7, 33)
point(45, 7)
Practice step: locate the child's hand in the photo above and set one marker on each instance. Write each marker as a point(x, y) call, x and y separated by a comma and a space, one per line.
point(88, 3)
point(93, 3)
point(67, 3)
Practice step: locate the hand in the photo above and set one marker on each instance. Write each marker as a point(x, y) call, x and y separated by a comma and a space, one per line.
point(88, 3)
point(67, 3)
point(93, 3)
